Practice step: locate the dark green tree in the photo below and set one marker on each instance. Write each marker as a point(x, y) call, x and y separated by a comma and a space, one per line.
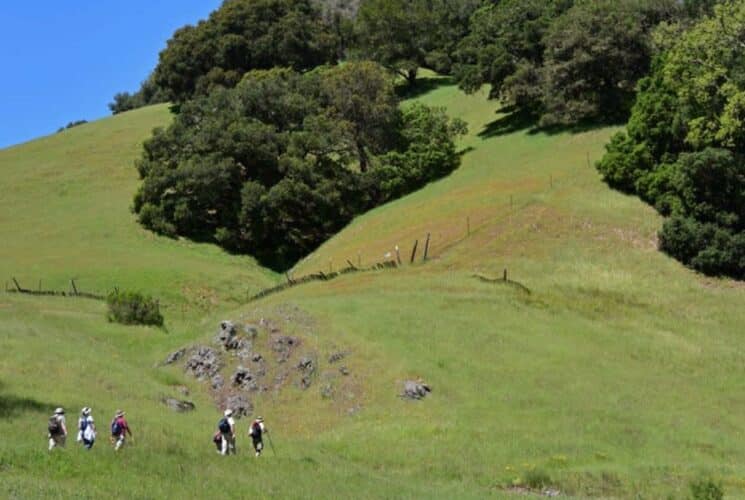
point(683, 150)
point(404, 35)
point(242, 35)
point(272, 167)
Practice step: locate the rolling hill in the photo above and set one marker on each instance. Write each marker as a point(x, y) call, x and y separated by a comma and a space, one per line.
point(611, 371)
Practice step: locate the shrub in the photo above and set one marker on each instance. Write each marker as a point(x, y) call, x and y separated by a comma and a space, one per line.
point(132, 308)
point(706, 489)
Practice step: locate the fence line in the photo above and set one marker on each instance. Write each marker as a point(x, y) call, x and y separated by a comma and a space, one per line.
point(321, 276)
point(52, 293)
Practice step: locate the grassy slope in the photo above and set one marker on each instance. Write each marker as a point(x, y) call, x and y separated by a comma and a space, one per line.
point(620, 373)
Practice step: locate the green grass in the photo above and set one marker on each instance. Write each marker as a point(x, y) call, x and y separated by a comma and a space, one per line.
point(620, 375)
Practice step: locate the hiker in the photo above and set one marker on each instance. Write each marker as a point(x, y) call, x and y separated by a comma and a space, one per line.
point(57, 429)
point(119, 430)
point(226, 426)
point(256, 431)
point(86, 428)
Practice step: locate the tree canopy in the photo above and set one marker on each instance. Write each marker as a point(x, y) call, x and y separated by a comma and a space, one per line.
point(284, 160)
point(240, 36)
point(567, 61)
point(683, 149)
point(404, 35)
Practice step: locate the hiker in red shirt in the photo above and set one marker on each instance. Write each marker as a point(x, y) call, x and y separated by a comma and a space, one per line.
point(119, 430)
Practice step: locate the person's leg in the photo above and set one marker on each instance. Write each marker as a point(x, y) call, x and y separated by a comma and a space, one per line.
point(119, 442)
point(224, 450)
point(62, 441)
point(51, 443)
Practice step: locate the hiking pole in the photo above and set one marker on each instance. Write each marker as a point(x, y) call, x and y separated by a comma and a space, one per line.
point(271, 445)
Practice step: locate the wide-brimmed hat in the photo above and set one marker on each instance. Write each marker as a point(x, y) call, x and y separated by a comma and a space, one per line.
point(86, 411)
point(119, 413)
point(259, 419)
point(228, 412)
point(59, 411)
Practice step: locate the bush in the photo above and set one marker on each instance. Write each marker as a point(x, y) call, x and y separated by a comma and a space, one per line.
point(132, 308)
point(706, 489)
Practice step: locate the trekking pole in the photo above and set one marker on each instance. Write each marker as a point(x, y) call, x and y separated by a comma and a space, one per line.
point(271, 445)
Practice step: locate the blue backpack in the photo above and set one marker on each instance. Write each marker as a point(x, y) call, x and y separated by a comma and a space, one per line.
point(116, 427)
point(83, 424)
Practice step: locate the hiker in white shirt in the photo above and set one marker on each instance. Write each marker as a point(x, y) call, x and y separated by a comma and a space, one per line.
point(226, 426)
point(86, 428)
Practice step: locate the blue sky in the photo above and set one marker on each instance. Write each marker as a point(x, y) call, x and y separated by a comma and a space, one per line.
point(64, 60)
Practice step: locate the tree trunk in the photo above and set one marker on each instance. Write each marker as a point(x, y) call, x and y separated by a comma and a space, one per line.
point(411, 76)
point(362, 155)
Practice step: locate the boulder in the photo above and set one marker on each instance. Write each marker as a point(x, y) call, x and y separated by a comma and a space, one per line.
point(240, 405)
point(204, 363)
point(306, 365)
point(415, 390)
point(174, 356)
point(337, 356)
point(226, 335)
point(244, 379)
point(178, 405)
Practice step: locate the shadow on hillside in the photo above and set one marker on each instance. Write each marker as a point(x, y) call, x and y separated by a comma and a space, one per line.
point(423, 85)
point(516, 120)
point(11, 406)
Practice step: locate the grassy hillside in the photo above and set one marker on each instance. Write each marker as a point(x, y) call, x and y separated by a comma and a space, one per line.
point(619, 375)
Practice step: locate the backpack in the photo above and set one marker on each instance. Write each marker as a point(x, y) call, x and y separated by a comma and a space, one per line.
point(83, 424)
point(55, 428)
point(224, 425)
point(116, 427)
point(255, 430)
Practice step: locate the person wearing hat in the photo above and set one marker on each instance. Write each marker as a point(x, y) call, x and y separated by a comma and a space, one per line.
point(257, 431)
point(119, 430)
point(226, 426)
point(57, 429)
point(86, 428)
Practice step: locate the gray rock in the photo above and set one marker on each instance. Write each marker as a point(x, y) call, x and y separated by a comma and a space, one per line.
point(240, 404)
point(226, 336)
point(244, 379)
point(415, 390)
point(344, 370)
point(306, 365)
point(178, 405)
point(204, 363)
point(257, 358)
point(174, 356)
point(337, 356)
point(217, 382)
point(243, 348)
point(252, 331)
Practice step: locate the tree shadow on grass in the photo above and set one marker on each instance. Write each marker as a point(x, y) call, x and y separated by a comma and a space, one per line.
point(11, 406)
point(516, 120)
point(423, 86)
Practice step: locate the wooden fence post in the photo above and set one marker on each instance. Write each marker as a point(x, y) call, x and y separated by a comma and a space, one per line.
point(426, 248)
point(504, 276)
point(351, 266)
point(74, 288)
point(398, 255)
point(18, 287)
point(413, 252)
